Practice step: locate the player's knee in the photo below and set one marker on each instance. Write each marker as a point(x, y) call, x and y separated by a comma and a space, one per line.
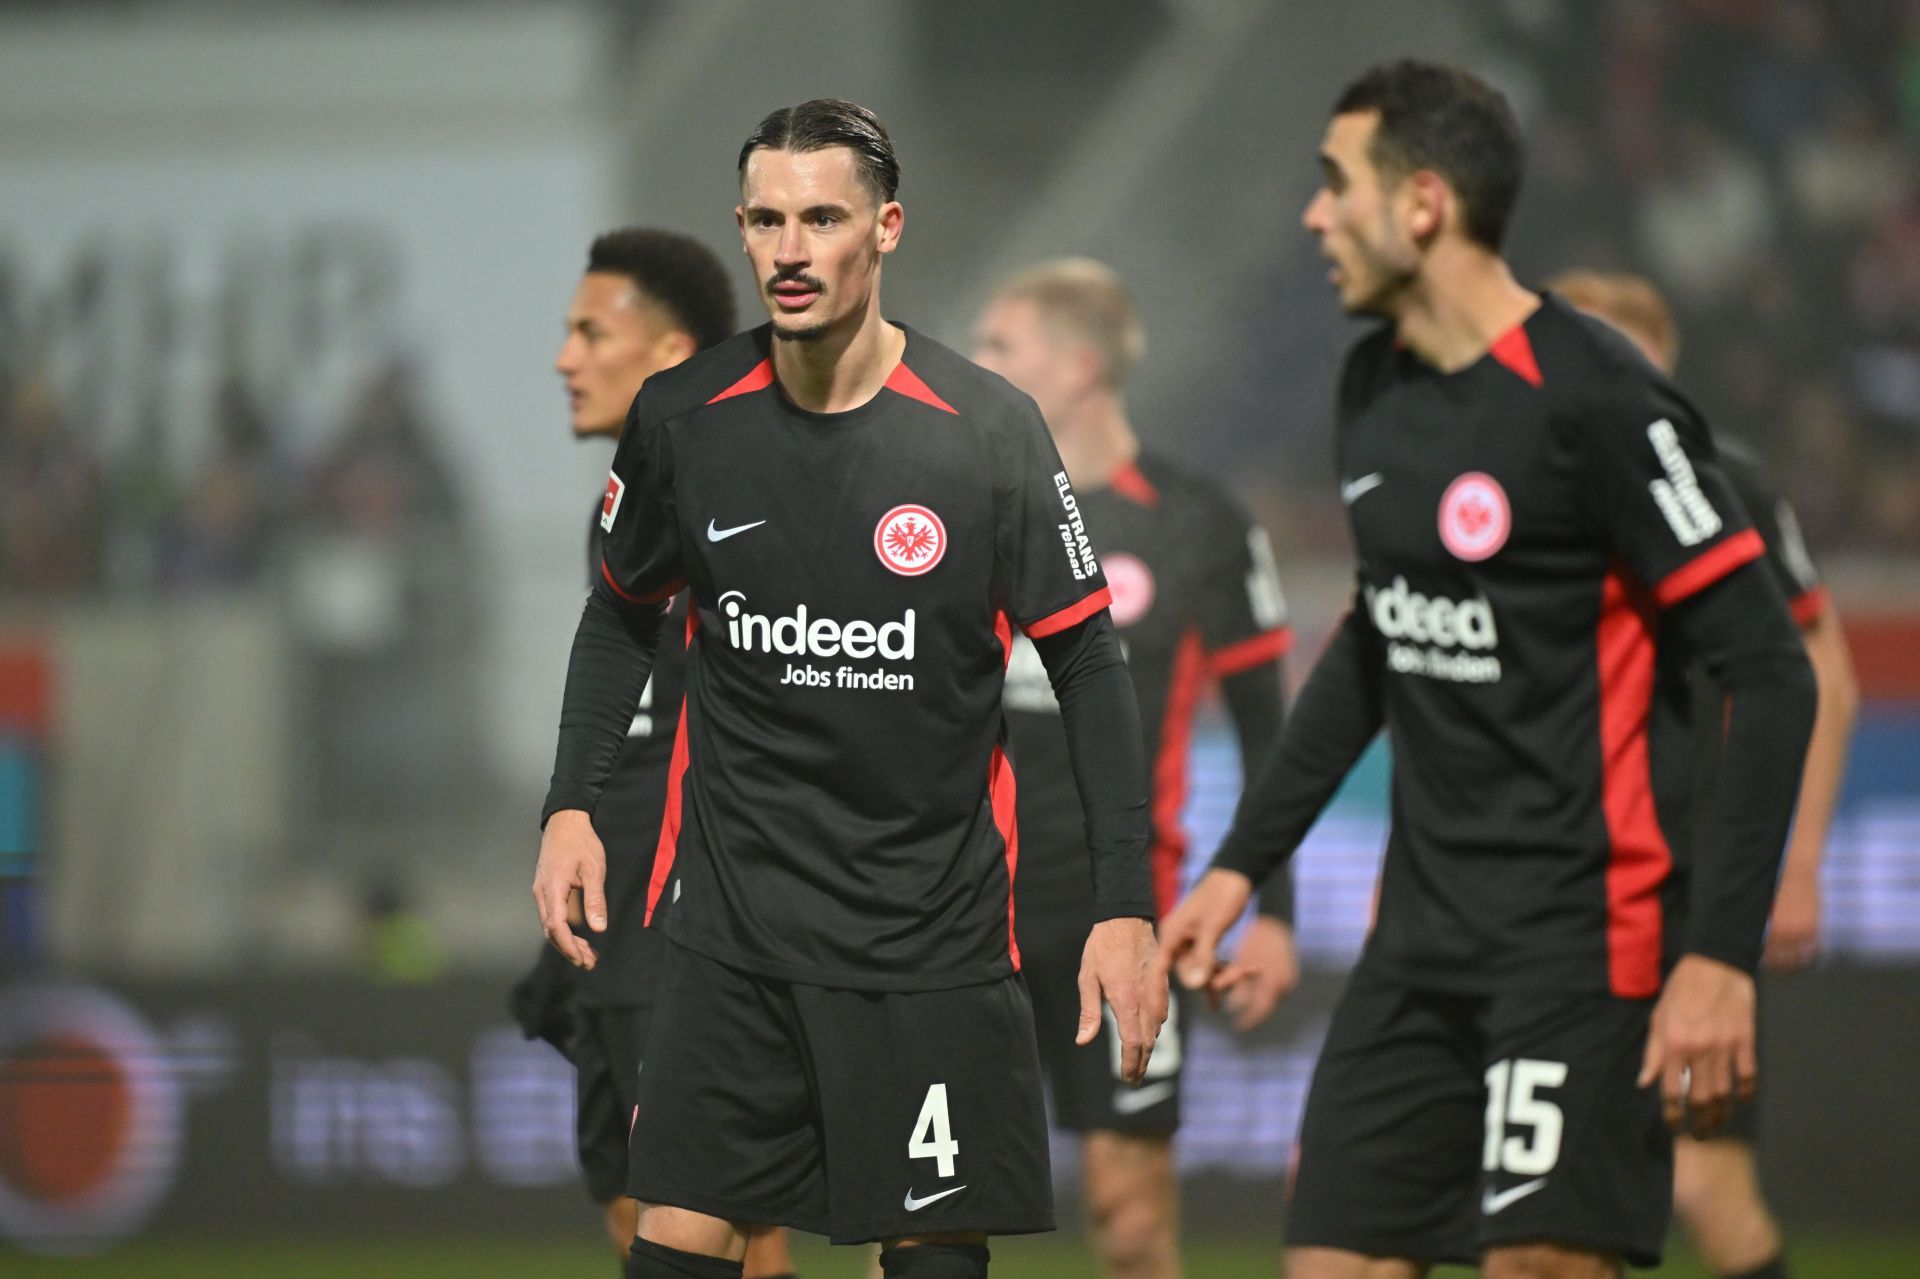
point(649, 1260)
point(1134, 1234)
point(934, 1261)
point(768, 1256)
point(1710, 1179)
point(623, 1223)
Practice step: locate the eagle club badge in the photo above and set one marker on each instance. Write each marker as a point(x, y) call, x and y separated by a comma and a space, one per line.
point(910, 539)
point(610, 504)
point(1474, 516)
point(1131, 583)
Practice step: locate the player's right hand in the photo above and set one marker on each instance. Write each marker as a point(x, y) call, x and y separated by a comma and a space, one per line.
point(1190, 935)
point(571, 859)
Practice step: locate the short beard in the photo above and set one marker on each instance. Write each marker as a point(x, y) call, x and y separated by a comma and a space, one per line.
point(812, 333)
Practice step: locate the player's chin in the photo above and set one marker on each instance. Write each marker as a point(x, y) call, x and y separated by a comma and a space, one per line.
point(800, 328)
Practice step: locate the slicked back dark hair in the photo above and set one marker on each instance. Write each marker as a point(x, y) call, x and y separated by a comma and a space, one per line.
point(678, 273)
point(820, 123)
point(1454, 123)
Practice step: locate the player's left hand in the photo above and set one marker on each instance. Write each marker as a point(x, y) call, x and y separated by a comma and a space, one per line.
point(1118, 966)
point(1268, 968)
point(1700, 1045)
point(1793, 933)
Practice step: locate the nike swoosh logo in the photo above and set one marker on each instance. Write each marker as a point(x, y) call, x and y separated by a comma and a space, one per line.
point(722, 534)
point(1491, 1203)
point(915, 1205)
point(1131, 1101)
point(1353, 490)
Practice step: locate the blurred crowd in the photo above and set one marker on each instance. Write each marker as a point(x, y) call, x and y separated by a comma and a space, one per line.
point(1757, 158)
point(76, 517)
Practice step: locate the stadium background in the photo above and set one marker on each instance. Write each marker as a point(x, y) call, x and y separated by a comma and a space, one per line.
point(290, 530)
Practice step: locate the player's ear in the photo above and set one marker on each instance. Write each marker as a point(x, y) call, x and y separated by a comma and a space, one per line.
point(1427, 200)
point(888, 225)
point(740, 220)
point(674, 346)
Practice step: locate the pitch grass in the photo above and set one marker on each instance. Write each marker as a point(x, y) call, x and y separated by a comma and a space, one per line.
point(1043, 1258)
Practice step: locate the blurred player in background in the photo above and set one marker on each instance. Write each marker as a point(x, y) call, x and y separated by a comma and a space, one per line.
point(1196, 598)
point(1716, 1184)
point(1537, 516)
point(648, 300)
point(842, 1040)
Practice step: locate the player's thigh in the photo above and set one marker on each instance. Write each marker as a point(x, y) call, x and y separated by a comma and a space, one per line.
point(724, 1121)
point(1390, 1141)
point(930, 1103)
point(1575, 1152)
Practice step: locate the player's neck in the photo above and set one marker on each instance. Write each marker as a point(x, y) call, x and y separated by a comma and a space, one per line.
point(1095, 440)
point(842, 370)
point(1464, 300)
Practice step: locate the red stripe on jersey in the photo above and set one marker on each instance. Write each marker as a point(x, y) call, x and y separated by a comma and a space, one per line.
point(1515, 350)
point(1071, 615)
point(1809, 607)
point(758, 380)
point(908, 383)
point(1709, 567)
point(666, 592)
point(1255, 650)
point(1170, 769)
point(1000, 796)
point(1129, 483)
point(1003, 631)
point(1639, 860)
point(669, 845)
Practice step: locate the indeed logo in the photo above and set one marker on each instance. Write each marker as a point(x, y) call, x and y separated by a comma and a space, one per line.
point(798, 635)
point(1399, 613)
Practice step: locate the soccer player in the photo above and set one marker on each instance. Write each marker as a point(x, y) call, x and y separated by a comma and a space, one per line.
point(1196, 598)
point(1543, 537)
point(1716, 1183)
point(647, 301)
point(841, 1038)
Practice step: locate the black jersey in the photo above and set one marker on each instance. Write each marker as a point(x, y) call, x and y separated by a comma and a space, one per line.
point(1519, 525)
point(840, 808)
point(1196, 596)
point(627, 817)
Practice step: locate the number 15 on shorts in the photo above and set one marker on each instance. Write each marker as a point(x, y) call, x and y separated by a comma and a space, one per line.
point(933, 1133)
point(1511, 1100)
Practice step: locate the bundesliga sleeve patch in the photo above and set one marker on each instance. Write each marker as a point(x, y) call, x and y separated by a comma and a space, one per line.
point(610, 504)
point(910, 540)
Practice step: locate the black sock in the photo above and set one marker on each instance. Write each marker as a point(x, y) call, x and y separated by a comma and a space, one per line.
point(935, 1261)
point(1775, 1269)
point(647, 1260)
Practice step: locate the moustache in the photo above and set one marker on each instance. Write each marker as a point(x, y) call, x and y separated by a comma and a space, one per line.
point(795, 277)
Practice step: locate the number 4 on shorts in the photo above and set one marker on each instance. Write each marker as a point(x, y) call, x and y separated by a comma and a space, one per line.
point(933, 1134)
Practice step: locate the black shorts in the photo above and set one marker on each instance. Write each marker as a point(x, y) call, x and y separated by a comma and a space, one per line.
point(1440, 1125)
point(860, 1115)
point(1088, 1093)
point(606, 1054)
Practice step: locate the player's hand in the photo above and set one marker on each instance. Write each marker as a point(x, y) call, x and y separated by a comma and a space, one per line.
point(1700, 1046)
point(1793, 933)
point(1190, 936)
point(1268, 967)
point(571, 860)
point(1118, 966)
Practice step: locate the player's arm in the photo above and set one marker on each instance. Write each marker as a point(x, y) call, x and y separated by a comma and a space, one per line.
point(1332, 721)
point(613, 649)
point(1243, 620)
point(1658, 494)
point(1793, 929)
point(1052, 586)
point(1793, 932)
